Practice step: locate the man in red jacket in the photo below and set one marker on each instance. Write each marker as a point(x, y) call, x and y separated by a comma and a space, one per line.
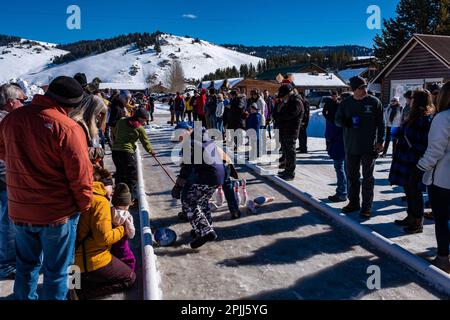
point(49, 184)
point(200, 107)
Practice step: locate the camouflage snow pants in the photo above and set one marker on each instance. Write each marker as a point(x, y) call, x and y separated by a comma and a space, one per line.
point(196, 206)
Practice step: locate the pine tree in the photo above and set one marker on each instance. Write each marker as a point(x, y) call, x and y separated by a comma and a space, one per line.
point(413, 16)
point(444, 17)
point(158, 47)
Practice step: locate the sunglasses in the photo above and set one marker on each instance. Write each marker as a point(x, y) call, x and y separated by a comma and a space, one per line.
point(435, 93)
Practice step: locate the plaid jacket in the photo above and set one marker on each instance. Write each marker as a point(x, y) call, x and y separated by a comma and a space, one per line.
point(412, 144)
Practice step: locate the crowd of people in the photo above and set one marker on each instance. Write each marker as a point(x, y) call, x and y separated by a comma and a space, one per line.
point(226, 109)
point(359, 130)
point(59, 206)
point(56, 145)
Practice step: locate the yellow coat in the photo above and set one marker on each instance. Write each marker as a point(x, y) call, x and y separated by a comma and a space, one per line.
point(189, 107)
point(98, 243)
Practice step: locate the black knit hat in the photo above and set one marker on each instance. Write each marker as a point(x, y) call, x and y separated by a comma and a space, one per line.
point(284, 90)
point(65, 90)
point(141, 113)
point(408, 94)
point(435, 87)
point(121, 195)
point(357, 82)
point(81, 78)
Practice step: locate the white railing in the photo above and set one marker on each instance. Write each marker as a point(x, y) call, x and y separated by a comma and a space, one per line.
point(151, 277)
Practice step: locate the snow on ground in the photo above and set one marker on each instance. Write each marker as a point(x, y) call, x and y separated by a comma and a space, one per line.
point(29, 89)
point(25, 60)
point(318, 80)
point(347, 74)
point(162, 108)
point(315, 175)
point(286, 251)
point(317, 123)
point(128, 65)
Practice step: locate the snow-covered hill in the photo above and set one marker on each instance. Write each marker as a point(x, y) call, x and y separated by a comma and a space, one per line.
point(129, 65)
point(25, 58)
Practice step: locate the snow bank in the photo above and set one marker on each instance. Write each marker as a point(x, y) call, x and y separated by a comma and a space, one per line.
point(316, 127)
point(29, 89)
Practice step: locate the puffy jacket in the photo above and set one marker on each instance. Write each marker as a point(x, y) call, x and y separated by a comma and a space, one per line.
point(210, 170)
point(128, 131)
point(200, 103)
point(262, 108)
point(288, 116)
point(179, 104)
point(49, 172)
point(211, 105)
point(436, 160)
point(189, 104)
point(95, 228)
point(236, 113)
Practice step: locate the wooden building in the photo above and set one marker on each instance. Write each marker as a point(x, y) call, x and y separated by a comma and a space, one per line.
point(280, 73)
point(424, 60)
point(248, 85)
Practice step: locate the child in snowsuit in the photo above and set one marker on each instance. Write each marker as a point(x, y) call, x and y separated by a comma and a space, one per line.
point(121, 201)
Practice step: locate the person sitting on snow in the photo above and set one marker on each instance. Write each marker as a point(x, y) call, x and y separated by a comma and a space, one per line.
point(102, 273)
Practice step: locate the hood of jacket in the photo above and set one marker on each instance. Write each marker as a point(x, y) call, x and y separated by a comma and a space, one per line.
point(98, 188)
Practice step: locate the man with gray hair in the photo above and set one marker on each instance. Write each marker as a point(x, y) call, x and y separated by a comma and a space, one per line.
point(11, 98)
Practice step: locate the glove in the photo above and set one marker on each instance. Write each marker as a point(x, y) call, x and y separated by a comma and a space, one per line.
point(176, 192)
point(180, 182)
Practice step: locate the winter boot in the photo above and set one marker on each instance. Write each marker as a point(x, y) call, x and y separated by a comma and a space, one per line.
point(183, 217)
point(415, 226)
point(403, 223)
point(236, 214)
point(442, 263)
point(200, 241)
point(365, 214)
point(336, 198)
point(351, 208)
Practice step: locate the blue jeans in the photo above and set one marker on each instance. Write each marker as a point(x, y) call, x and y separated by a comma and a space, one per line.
point(58, 247)
point(341, 190)
point(179, 116)
point(219, 124)
point(7, 235)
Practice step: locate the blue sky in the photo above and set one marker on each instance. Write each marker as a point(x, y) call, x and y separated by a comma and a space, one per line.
point(249, 22)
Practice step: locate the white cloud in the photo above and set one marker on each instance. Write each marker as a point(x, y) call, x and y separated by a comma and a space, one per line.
point(189, 16)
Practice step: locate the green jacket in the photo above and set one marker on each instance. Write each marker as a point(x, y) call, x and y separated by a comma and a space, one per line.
point(127, 134)
point(360, 138)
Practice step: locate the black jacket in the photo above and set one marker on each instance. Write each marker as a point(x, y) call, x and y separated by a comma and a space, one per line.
point(288, 116)
point(236, 113)
point(210, 169)
point(329, 109)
